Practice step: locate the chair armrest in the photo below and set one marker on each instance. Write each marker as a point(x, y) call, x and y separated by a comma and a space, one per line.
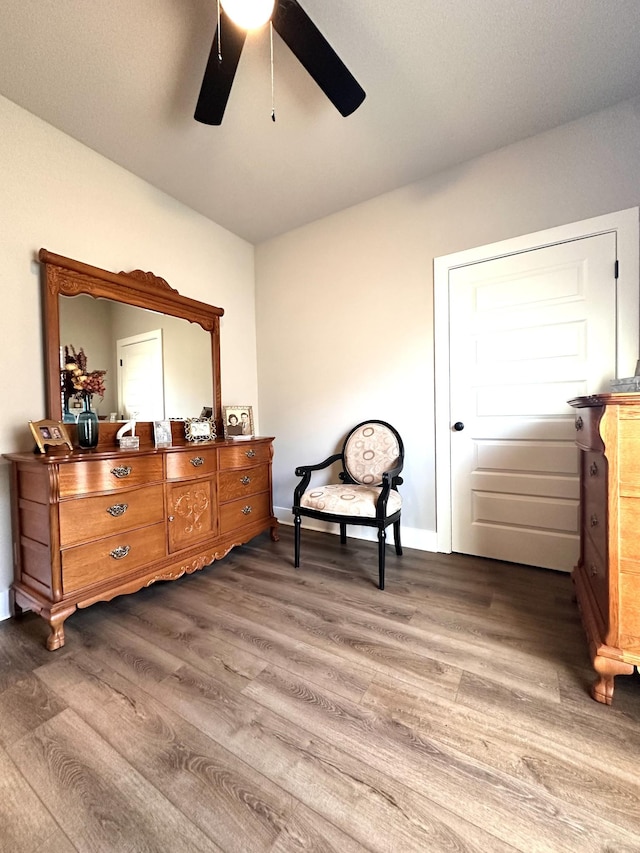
point(305, 472)
point(302, 469)
point(392, 473)
point(390, 479)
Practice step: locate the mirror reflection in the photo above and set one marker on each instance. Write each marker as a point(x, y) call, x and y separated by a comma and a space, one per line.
point(157, 366)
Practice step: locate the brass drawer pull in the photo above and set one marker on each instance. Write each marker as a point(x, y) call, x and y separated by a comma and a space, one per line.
point(579, 423)
point(245, 480)
point(246, 510)
point(117, 509)
point(594, 520)
point(197, 461)
point(594, 570)
point(250, 454)
point(120, 553)
point(593, 469)
point(121, 471)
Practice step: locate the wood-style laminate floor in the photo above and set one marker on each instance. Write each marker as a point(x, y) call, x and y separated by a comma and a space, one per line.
point(253, 708)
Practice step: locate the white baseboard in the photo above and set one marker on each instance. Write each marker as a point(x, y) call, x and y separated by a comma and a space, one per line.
point(5, 610)
point(412, 537)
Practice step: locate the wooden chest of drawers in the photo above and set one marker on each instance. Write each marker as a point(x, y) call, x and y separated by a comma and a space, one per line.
point(607, 577)
point(90, 526)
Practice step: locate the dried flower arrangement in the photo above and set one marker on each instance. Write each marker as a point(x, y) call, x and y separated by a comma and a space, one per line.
point(78, 380)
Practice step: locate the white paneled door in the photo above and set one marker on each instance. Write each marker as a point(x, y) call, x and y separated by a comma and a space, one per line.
point(141, 376)
point(527, 333)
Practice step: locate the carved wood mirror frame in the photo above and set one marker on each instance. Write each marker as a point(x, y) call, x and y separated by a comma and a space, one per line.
point(66, 277)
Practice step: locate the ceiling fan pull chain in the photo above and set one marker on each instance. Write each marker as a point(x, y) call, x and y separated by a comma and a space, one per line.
point(218, 31)
point(273, 100)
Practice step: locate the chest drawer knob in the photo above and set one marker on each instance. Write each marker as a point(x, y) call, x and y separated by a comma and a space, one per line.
point(250, 454)
point(593, 470)
point(246, 510)
point(245, 480)
point(117, 510)
point(579, 423)
point(120, 553)
point(121, 471)
point(594, 520)
point(594, 570)
point(197, 461)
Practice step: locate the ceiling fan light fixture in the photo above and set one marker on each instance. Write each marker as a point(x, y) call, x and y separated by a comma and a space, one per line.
point(249, 14)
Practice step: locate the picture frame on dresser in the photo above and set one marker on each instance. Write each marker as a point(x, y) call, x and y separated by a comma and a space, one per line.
point(238, 421)
point(162, 433)
point(199, 429)
point(50, 434)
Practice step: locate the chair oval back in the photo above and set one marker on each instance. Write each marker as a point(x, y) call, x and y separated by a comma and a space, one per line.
point(370, 449)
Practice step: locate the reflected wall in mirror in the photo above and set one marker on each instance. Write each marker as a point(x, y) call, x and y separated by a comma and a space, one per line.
point(107, 315)
point(158, 366)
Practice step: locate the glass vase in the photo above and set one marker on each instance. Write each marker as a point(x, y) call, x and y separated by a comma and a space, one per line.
point(87, 424)
point(67, 416)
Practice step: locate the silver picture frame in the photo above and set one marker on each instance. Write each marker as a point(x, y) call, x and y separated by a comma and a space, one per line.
point(199, 429)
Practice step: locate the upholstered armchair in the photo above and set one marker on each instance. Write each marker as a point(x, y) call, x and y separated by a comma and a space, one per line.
point(372, 458)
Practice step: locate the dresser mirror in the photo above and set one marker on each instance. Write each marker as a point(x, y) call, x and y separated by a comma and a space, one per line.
point(117, 319)
point(158, 366)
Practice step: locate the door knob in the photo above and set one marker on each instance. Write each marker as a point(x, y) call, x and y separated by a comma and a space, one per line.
point(458, 426)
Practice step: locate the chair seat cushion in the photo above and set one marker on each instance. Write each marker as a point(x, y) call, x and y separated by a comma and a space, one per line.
point(349, 500)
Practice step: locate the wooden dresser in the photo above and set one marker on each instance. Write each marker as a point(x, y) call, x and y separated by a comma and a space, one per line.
point(607, 577)
point(92, 525)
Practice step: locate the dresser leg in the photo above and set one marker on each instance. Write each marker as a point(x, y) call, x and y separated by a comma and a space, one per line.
point(55, 640)
point(607, 669)
point(14, 607)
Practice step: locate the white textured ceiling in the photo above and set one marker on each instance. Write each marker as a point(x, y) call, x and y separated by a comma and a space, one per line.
point(446, 80)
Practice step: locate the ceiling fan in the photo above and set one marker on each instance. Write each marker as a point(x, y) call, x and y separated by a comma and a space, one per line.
point(301, 36)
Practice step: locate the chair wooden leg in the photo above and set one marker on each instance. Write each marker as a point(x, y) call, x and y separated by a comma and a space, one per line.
point(396, 537)
point(382, 537)
point(297, 522)
point(343, 534)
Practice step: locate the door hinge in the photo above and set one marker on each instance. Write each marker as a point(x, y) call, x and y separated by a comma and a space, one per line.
point(617, 269)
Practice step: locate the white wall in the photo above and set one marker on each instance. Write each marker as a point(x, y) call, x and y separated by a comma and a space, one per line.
point(56, 193)
point(344, 305)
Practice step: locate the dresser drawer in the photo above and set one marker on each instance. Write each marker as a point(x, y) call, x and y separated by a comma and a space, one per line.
point(196, 463)
point(596, 571)
point(629, 610)
point(629, 456)
point(246, 453)
point(236, 484)
point(587, 420)
point(244, 511)
point(107, 558)
point(629, 512)
point(84, 519)
point(594, 472)
point(104, 475)
point(594, 498)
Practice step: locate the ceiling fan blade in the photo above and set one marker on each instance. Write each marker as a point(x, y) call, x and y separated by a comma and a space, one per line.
point(218, 75)
point(314, 52)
